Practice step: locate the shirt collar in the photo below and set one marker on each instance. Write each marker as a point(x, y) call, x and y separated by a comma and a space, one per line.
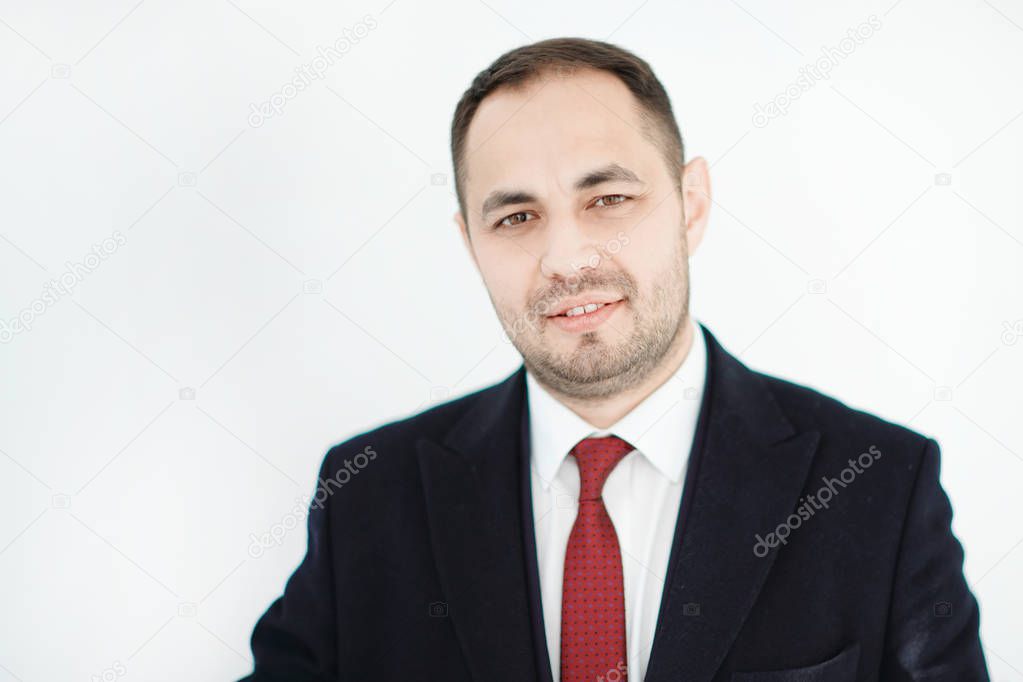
point(661, 427)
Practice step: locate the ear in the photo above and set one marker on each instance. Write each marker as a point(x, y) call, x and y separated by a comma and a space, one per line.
point(695, 200)
point(463, 230)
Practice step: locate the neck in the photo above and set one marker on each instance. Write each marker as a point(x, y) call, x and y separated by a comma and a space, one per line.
point(606, 412)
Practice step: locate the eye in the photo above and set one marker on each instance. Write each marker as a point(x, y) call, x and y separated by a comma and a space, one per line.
point(510, 221)
point(610, 200)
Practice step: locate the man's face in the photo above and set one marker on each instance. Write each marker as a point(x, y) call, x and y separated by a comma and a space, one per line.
point(569, 203)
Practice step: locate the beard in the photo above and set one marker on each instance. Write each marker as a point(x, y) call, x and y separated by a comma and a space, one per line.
point(605, 362)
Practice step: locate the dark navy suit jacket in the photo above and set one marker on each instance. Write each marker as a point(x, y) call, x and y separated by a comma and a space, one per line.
point(422, 566)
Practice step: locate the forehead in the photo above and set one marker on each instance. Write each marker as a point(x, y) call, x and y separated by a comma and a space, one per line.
point(554, 128)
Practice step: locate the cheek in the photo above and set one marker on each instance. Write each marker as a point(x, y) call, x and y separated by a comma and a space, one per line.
point(641, 256)
point(655, 242)
point(651, 259)
point(508, 273)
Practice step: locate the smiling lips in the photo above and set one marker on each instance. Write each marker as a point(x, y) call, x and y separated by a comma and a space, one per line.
point(579, 310)
point(581, 305)
point(584, 315)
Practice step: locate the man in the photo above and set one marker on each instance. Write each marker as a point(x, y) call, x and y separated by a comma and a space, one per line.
point(632, 502)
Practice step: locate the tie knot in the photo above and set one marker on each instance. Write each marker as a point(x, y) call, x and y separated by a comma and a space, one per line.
point(596, 458)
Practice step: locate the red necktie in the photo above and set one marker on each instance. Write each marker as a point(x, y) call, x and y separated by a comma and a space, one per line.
point(592, 596)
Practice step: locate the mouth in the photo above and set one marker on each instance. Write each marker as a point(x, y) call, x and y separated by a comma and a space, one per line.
point(580, 317)
point(583, 306)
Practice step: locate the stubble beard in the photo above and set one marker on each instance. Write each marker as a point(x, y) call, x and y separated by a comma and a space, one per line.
point(605, 362)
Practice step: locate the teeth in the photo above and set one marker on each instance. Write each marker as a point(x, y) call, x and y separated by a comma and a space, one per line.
point(579, 310)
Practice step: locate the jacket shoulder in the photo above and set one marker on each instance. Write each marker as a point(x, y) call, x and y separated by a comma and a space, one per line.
point(810, 409)
point(400, 435)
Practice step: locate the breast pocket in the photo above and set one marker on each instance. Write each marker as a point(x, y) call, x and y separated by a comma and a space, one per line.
point(839, 668)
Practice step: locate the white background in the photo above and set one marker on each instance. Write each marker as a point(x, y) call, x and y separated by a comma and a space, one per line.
point(126, 510)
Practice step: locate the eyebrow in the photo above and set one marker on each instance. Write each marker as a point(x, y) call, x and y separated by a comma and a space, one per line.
point(612, 172)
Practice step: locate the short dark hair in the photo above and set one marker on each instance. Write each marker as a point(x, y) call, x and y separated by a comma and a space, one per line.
point(523, 64)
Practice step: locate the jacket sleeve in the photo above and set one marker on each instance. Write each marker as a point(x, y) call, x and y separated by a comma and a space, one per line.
point(295, 639)
point(933, 622)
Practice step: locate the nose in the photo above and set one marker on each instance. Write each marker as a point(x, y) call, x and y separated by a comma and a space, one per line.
point(569, 248)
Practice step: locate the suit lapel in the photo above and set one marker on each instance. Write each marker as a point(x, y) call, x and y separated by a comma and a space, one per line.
point(744, 480)
point(471, 486)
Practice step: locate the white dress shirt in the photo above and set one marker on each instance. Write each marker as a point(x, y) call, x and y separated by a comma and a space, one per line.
point(642, 495)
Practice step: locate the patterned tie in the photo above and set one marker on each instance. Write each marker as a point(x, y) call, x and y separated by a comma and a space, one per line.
point(593, 598)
